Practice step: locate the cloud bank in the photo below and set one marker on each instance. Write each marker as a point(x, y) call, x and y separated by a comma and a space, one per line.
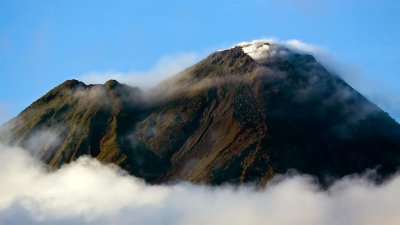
point(88, 192)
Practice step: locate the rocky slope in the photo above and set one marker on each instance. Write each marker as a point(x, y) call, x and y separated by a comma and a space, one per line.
point(240, 115)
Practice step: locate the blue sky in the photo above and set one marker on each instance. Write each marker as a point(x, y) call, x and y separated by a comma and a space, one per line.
point(43, 43)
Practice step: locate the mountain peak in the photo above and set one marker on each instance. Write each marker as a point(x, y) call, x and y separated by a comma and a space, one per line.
point(230, 61)
point(110, 84)
point(264, 108)
point(69, 84)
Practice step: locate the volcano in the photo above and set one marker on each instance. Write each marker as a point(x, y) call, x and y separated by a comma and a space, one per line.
point(240, 115)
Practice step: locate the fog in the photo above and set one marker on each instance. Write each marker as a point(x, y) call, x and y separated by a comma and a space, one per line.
point(88, 192)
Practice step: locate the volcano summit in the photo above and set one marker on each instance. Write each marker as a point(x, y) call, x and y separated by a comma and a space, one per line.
point(240, 115)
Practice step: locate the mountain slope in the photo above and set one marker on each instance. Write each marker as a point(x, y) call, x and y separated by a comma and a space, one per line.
point(240, 115)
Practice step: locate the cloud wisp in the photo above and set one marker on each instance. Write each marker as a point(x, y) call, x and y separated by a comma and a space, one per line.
point(170, 65)
point(88, 192)
point(165, 67)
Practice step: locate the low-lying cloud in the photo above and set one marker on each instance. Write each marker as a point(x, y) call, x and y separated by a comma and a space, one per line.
point(165, 67)
point(88, 192)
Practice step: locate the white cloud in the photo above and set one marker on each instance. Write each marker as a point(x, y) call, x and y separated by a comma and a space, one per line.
point(164, 68)
point(261, 49)
point(44, 138)
point(88, 192)
point(300, 46)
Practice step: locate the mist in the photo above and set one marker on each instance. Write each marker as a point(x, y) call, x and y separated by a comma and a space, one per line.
point(89, 192)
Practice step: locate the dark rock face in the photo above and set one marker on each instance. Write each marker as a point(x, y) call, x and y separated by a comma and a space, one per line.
point(226, 119)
